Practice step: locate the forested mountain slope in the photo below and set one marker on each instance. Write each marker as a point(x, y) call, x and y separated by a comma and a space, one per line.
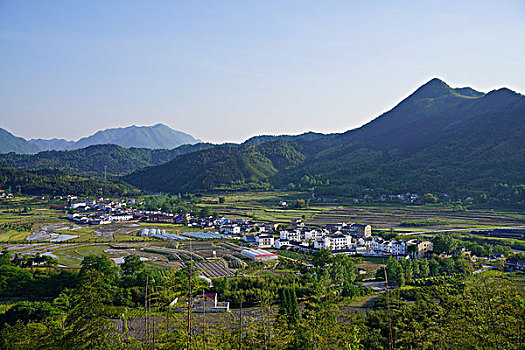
point(96, 159)
point(437, 139)
point(54, 182)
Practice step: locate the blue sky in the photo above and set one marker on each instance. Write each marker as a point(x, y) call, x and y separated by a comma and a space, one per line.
point(227, 70)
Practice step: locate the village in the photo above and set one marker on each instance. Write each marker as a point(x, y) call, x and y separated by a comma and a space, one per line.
point(340, 238)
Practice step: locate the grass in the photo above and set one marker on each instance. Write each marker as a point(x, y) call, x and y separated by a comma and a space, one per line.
point(518, 278)
point(73, 256)
point(366, 302)
point(263, 206)
point(12, 235)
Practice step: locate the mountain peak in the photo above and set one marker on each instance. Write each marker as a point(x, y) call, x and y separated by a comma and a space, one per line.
point(432, 89)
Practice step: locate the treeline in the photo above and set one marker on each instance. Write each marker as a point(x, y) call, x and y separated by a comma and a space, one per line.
point(53, 182)
point(407, 271)
point(98, 159)
point(448, 243)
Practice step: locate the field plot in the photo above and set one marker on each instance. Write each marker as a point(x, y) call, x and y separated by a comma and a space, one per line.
point(214, 269)
point(73, 256)
point(418, 218)
point(263, 206)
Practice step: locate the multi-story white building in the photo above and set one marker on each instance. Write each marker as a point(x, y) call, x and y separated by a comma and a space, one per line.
point(334, 242)
point(121, 217)
point(399, 247)
point(294, 235)
point(264, 241)
point(230, 229)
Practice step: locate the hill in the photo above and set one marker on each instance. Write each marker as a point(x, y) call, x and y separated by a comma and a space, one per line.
point(55, 182)
point(12, 143)
point(438, 139)
point(97, 159)
point(232, 166)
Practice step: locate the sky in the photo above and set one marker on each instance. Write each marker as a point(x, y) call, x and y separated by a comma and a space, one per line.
point(224, 71)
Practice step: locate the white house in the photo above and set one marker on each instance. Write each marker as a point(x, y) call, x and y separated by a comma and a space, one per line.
point(121, 217)
point(77, 205)
point(290, 235)
point(281, 243)
point(398, 247)
point(334, 242)
point(230, 229)
point(264, 241)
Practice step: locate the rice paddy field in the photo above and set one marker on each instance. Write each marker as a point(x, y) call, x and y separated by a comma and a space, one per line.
point(264, 206)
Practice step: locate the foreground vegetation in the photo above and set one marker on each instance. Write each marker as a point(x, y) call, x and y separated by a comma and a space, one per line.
point(105, 307)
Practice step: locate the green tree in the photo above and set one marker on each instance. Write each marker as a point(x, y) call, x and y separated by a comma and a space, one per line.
point(395, 272)
point(204, 212)
point(87, 325)
point(294, 315)
point(424, 268)
point(322, 257)
point(444, 243)
point(430, 198)
point(100, 263)
point(132, 265)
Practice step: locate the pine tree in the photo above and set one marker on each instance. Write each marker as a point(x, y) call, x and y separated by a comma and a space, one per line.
point(294, 307)
point(283, 305)
point(87, 325)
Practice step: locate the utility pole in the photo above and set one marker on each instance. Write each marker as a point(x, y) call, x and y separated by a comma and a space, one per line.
point(240, 323)
point(105, 172)
point(390, 338)
point(189, 300)
point(146, 310)
point(204, 320)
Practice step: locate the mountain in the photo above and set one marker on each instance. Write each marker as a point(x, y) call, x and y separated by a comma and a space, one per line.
point(12, 143)
point(158, 136)
point(439, 139)
point(52, 144)
point(96, 160)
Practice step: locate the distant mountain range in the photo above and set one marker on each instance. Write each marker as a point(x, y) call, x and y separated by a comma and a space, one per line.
point(438, 139)
point(12, 143)
point(158, 136)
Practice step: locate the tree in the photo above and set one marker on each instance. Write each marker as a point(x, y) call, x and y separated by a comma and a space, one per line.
point(204, 212)
point(294, 315)
point(26, 311)
point(444, 244)
point(222, 200)
point(284, 303)
point(435, 267)
point(132, 265)
point(415, 266)
point(322, 257)
point(424, 268)
point(87, 325)
point(165, 207)
point(409, 270)
point(395, 272)
point(100, 263)
point(429, 198)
